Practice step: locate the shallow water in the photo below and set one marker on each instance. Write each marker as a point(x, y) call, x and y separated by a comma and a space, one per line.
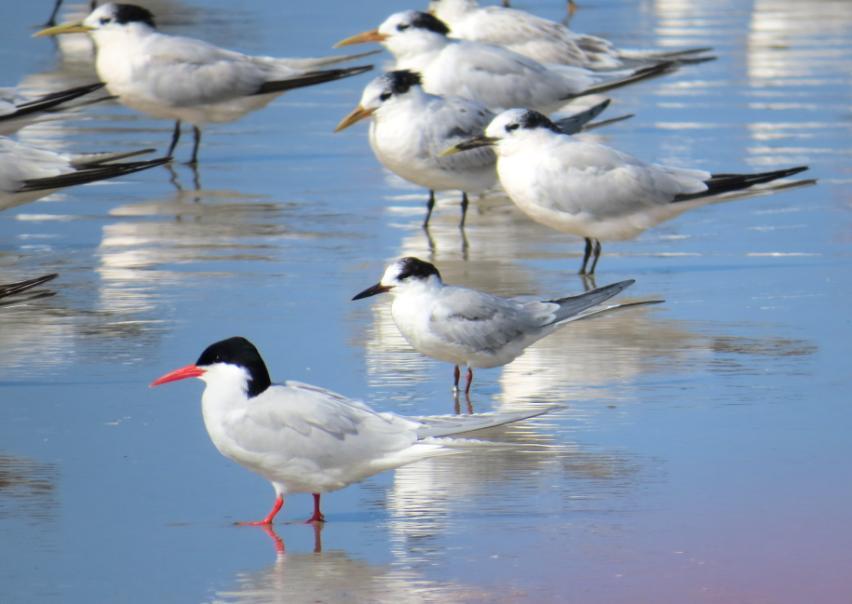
point(702, 452)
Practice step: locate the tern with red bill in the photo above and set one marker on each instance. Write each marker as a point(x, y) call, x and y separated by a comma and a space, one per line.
point(306, 439)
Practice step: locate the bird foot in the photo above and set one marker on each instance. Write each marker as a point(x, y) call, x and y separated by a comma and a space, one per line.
point(264, 523)
point(315, 518)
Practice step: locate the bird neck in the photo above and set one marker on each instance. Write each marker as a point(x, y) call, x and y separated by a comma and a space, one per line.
point(415, 49)
point(449, 11)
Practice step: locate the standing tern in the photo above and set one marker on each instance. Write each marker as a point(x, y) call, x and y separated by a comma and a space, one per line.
point(595, 191)
point(28, 173)
point(543, 40)
point(185, 79)
point(492, 75)
point(306, 439)
point(467, 327)
point(410, 128)
point(17, 112)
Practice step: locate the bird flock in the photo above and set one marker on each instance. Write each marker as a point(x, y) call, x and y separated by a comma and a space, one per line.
point(478, 100)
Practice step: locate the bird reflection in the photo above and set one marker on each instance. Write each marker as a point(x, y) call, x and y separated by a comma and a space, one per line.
point(27, 488)
point(334, 576)
point(426, 498)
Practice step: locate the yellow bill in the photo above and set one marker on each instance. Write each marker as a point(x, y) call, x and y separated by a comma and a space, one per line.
point(73, 27)
point(356, 115)
point(364, 37)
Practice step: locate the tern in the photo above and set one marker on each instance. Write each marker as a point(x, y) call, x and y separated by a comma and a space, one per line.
point(185, 79)
point(468, 327)
point(306, 439)
point(544, 40)
point(17, 112)
point(595, 191)
point(29, 173)
point(490, 74)
point(410, 128)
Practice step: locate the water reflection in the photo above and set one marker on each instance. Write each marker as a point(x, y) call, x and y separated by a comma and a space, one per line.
point(334, 576)
point(429, 499)
point(27, 489)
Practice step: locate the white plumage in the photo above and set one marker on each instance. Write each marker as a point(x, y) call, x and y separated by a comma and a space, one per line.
point(306, 439)
point(28, 173)
point(490, 74)
point(184, 79)
point(467, 327)
point(18, 111)
point(592, 190)
point(410, 128)
point(541, 39)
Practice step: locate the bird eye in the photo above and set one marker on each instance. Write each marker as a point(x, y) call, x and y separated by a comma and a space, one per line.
point(104, 20)
point(402, 26)
point(510, 127)
point(384, 96)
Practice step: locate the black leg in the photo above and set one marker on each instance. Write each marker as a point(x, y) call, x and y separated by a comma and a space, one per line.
point(465, 202)
point(430, 205)
point(469, 382)
point(586, 254)
point(196, 132)
point(597, 253)
point(52, 20)
point(175, 139)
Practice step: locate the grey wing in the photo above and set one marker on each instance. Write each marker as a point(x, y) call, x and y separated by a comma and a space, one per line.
point(582, 176)
point(480, 321)
point(310, 423)
point(184, 72)
point(460, 119)
point(494, 76)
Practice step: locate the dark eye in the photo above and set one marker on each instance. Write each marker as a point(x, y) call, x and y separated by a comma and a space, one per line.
point(510, 127)
point(402, 26)
point(384, 96)
point(104, 20)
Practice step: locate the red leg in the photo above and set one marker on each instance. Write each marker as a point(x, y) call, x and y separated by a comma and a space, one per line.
point(456, 376)
point(279, 542)
point(317, 517)
point(279, 502)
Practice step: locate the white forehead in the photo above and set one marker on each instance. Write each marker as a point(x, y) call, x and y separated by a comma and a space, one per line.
point(371, 97)
point(510, 117)
point(392, 272)
point(390, 24)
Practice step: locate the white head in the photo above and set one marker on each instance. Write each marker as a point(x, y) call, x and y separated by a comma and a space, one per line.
point(107, 21)
point(232, 364)
point(519, 122)
point(508, 127)
point(405, 272)
point(405, 33)
point(383, 91)
point(114, 16)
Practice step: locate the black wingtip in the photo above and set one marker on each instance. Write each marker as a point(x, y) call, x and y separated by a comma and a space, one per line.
point(9, 289)
point(86, 175)
point(312, 78)
point(643, 73)
point(52, 100)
